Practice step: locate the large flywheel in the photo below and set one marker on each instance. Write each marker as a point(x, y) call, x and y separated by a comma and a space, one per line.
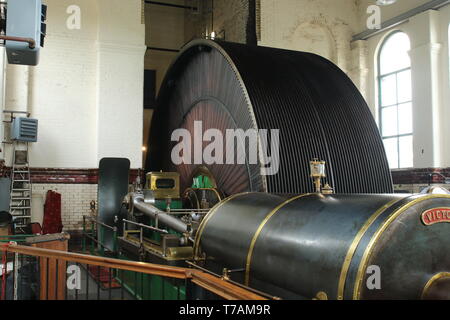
point(316, 107)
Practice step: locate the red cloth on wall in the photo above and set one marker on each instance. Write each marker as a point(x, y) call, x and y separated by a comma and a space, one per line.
point(52, 213)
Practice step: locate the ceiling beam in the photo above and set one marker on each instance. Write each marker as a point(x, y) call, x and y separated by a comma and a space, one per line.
point(165, 4)
point(430, 5)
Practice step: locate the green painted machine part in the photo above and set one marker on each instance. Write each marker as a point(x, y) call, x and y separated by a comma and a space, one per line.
point(149, 287)
point(20, 238)
point(202, 182)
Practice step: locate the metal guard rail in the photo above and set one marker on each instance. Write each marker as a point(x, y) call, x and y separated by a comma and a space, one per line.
point(91, 235)
point(207, 281)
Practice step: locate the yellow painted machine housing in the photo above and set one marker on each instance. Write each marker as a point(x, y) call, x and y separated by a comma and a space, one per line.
point(163, 184)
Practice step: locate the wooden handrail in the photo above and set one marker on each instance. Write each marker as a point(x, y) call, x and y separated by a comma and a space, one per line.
point(223, 288)
point(207, 281)
point(143, 267)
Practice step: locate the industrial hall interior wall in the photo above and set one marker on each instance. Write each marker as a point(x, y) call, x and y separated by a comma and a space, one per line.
point(87, 91)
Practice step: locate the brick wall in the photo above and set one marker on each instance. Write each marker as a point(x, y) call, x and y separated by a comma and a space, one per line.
point(420, 176)
point(415, 180)
point(78, 187)
point(75, 201)
point(416, 188)
point(230, 16)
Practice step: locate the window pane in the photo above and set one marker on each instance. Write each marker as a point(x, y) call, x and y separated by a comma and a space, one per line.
point(394, 55)
point(404, 86)
point(389, 121)
point(405, 121)
point(406, 151)
point(388, 91)
point(391, 148)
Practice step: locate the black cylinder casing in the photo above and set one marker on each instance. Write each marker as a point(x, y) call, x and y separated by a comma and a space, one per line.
point(296, 247)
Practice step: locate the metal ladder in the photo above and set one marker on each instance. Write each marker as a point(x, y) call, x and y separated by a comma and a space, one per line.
point(20, 196)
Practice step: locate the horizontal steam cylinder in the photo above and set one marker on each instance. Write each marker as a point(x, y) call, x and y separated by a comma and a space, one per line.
point(315, 245)
point(364, 242)
point(316, 107)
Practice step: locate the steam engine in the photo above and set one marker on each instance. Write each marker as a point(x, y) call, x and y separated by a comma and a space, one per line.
point(311, 229)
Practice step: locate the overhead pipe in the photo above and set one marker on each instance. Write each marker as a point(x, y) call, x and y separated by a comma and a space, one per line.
point(31, 42)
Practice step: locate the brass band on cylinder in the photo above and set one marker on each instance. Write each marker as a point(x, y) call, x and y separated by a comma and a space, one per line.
point(369, 249)
point(436, 277)
point(209, 216)
point(258, 231)
point(355, 243)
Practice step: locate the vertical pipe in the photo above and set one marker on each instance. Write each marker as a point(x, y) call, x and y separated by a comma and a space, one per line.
point(142, 286)
point(92, 235)
point(102, 239)
point(20, 263)
point(76, 289)
point(135, 286)
point(46, 278)
point(16, 95)
point(251, 35)
point(32, 92)
point(15, 278)
point(98, 282)
point(114, 248)
point(5, 277)
point(2, 99)
point(212, 15)
point(87, 281)
point(65, 285)
point(83, 240)
point(110, 283)
point(122, 284)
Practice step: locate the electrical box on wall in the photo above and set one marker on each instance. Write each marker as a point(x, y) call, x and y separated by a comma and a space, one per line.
point(25, 19)
point(24, 129)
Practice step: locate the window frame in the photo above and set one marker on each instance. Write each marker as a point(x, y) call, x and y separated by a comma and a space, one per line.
point(380, 77)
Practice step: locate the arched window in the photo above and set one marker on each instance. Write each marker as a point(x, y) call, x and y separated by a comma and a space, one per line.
point(395, 100)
